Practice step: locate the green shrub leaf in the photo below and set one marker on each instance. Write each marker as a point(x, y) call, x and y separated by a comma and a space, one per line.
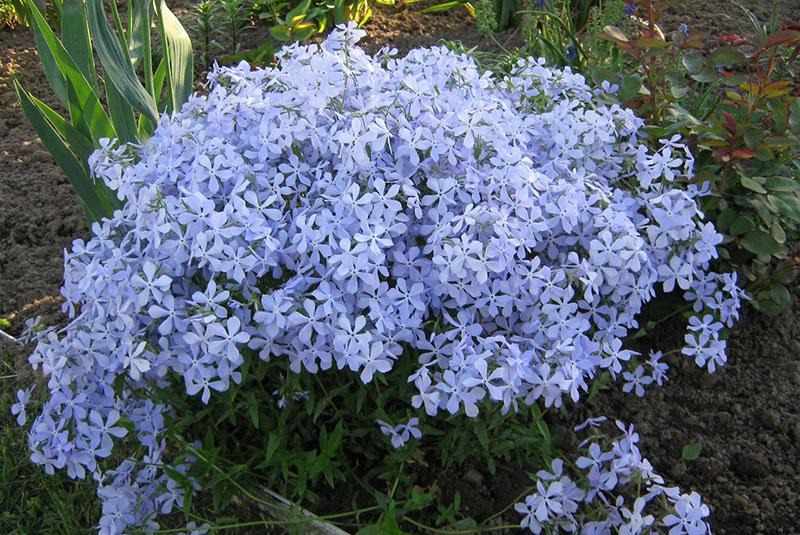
point(760, 243)
point(691, 451)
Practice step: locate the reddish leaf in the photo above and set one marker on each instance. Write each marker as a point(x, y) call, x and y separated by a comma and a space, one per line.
point(743, 154)
point(732, 39)
point(781, 38)
point(730, 122)
point(722, 154)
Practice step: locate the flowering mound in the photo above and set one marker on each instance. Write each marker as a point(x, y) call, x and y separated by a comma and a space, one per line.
point(347, 211)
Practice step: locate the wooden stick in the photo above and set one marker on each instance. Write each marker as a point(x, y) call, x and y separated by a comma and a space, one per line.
point(284, 509)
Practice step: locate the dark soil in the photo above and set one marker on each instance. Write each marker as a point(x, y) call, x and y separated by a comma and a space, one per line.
point(40, 214)
point(746, 416)
point(725, 16)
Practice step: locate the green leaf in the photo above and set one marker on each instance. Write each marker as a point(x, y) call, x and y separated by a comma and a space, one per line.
point(707, 75)
point(762, 209)
point(794, 117)
point(252, 408)
point(760, 243)
point(117, 64)
point(691, 451)
point(774, 300)
point(725, 219)
point(419, 499)
point(46, 43)
point(753, 137)
point(79, 144)
point(764, 154)
point(140, 47)
point(444, 6)
point(742, 225)
point(780, 114)
point(178, 52)
point(79, 96)
point(777, 232)
point(629, 87)
point(779, 183)
point(96, 204)
point(482, 434)
point(121, 115)
point(75, 36)
point(787, 205)
point(273, 442)
point(786, 275)
point(726, 56)
point(138, 36)
point(390, 525)
point(781, 295)
point(280, 32)
point(694, 62)
point(752, 185)
point(335, 439)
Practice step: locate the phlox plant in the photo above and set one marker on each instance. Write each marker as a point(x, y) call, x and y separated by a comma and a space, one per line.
point(590, 494)
point(369, 238)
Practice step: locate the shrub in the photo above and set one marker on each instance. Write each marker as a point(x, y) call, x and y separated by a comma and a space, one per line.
point(739, 106)
point(365, 238)
point(297, 20)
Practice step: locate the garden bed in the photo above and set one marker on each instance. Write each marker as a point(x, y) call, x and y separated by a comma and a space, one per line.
point(746, 415)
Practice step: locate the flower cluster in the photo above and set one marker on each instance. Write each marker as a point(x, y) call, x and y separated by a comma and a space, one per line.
point(341, 210)
point(616, 484)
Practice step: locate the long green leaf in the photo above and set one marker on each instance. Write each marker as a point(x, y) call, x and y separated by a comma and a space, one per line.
point(75, 36)
point(76, 172)
point(50, 66)
point(122, 115)
point(140, 16)
point(118, 68)
point(141, 28)
point(178, 51)
point(86, 111)
point(78, 143)
point(159, 77)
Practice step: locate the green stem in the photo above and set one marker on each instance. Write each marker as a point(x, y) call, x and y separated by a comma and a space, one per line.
point(431, 529)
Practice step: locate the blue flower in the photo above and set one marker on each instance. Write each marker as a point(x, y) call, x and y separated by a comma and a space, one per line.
point(18, 408)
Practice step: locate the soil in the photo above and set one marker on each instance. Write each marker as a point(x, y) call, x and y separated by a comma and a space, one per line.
point(40, 214)
point(746, 415)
